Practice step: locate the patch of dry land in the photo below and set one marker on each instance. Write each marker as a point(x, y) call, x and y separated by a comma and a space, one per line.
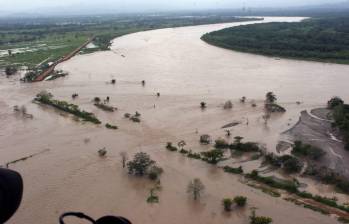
point(67, 174)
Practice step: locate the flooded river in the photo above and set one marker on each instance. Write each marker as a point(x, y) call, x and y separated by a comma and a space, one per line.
point(68, 175)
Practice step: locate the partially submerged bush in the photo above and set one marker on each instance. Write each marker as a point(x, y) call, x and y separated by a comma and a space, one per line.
point(245, 147)
point(212, 156)
point(259, 219)
point(329, 176)
point(334, 102)
point(22, 110)
point(135, 119)
point(240, 201)
point(270, 104)
point(306, 150)
point(270, 98)
point(193, 155)
point(105, 107)
point(183, 151)
point(153, 198)
point(109, 126)
point(170, 147)
point(227, 204)
point(232, 170)
point(10, 70)
point(181, 144)
point(221, 144)
point(155, 172)
point(291, 164)
point(97, 100)
point(31, 75)
point(289, 186)
point(274, 108)
point(102, 152)
point(205, 139)
point(228, 105)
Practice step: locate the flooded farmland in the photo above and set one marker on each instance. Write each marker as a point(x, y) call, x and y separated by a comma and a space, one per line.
point(66, 173)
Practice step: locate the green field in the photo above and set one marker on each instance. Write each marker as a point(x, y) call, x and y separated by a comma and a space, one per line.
point(38, 41)
point(325, 39)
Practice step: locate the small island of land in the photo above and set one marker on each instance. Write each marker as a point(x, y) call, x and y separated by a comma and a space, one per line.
point(316, 39)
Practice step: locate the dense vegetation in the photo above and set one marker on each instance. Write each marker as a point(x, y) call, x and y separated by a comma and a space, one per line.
point(289, 163)
point(47, 98)
point(142, 165)
point(307, 151)
point(325, 39)
point(340, 112)
point(36, 41)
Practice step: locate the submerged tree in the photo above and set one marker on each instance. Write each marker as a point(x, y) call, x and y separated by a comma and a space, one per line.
point(270, 97)
point(155, 172)
point(181, 144)
point(227, 204)
point(102, 152)
point(205, 139)
point(9, 70)
point(266, 117)
point(195, 188)
point(213, 156)
point(124, 158)
point(140, 164)
point(97, 100)
point(203, 105)
point(335, 101)
point(228, 105)
point(153, 198)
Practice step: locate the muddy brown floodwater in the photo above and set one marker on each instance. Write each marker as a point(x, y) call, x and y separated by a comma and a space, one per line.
point(175, 62)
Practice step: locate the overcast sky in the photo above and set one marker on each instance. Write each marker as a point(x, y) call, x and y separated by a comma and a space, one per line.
point(143, 5)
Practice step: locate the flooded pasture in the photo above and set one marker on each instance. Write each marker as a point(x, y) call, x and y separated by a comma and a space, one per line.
point(69, 175)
